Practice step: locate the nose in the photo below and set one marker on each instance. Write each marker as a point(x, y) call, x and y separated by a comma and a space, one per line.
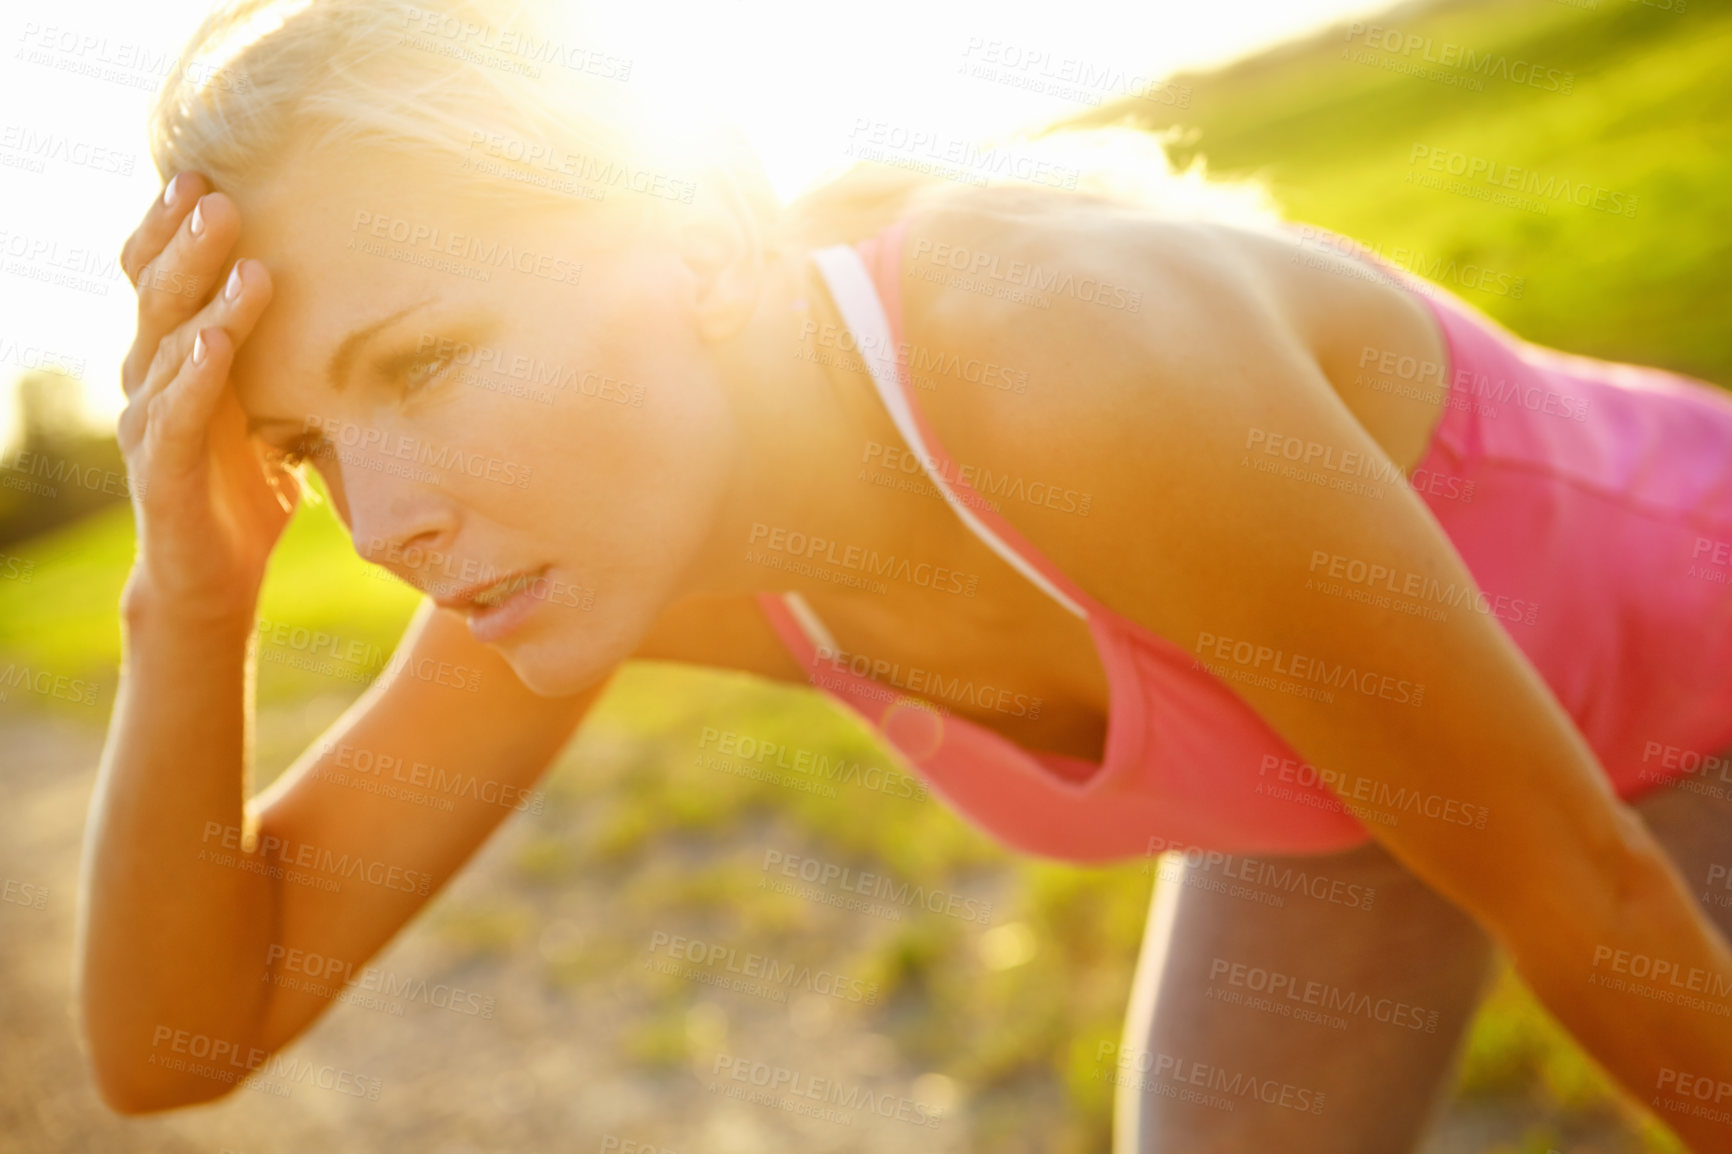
point(394, 520)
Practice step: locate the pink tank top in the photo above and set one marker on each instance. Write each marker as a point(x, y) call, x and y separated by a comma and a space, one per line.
point(1592, 502)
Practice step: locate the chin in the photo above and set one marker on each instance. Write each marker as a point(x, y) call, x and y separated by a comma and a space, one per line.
point(550, 668)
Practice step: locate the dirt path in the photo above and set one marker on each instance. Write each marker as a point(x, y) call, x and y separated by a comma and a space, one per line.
point(560, 1042)
point(549, 1068)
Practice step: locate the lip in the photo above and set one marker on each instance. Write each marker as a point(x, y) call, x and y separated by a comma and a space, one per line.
point(489, 623)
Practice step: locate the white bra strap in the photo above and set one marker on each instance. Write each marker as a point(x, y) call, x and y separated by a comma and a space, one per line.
point(814, 629)
point(856, 298)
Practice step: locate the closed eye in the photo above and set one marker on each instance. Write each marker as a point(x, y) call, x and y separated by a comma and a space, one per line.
point(297, 452)
point(416, 372)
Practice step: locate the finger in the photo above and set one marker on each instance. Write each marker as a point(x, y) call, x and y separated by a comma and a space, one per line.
point(179, 415)
point(236, 309)
point(180, 278)
point(160, 222)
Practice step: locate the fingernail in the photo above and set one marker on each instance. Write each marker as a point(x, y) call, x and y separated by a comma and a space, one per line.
point(197, 222)
point(172, 192)
point(232, 289)
point(198, 349)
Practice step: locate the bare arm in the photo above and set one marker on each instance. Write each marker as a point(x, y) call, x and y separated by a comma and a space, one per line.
point(191, 898)
point(197, 905)
point(1562, 872)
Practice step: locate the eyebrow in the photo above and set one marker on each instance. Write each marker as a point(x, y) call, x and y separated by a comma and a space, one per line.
point(338, 370)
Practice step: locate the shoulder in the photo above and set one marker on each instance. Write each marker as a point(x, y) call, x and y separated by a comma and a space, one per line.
point(1148, 351)
point(1135, 345)
point(1093, 318)
point(1099, 292)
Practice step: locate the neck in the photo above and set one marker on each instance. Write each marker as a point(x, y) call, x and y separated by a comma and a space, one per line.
point(796, 501)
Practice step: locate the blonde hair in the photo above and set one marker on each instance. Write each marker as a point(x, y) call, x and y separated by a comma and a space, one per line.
point(518, 104)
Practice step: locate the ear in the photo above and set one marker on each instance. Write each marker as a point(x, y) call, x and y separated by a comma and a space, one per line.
point(723, 247)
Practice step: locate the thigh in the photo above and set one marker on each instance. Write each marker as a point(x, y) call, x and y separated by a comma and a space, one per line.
point(1293, 1004)
point(1692, 819)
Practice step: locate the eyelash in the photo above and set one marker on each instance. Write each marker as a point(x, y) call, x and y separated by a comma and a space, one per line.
point(408, 368)
point(306, 447)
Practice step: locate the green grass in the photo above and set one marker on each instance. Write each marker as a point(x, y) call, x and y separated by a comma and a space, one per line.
point(64, 618)
point(1021, 1040)
point(1332, 139)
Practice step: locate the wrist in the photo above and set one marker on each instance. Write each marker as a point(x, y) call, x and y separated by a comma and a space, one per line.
point(145, 603)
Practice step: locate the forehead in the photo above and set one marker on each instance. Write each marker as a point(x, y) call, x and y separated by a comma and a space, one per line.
point(349, 241)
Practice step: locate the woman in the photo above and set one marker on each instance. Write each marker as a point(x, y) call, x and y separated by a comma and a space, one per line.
point(1384, 623)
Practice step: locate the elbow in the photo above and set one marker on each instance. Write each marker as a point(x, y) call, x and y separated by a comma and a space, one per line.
point(132, 1101)
point(140, 1073)
point(127, 1093)
point(139, 1065)
point(1583, 901)
point(1641, 878)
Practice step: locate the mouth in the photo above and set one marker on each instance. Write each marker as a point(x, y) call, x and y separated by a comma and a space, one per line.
point(496, 609)
point(505, 588)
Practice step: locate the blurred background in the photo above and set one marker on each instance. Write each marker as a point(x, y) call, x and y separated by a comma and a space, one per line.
point(1614, 244)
